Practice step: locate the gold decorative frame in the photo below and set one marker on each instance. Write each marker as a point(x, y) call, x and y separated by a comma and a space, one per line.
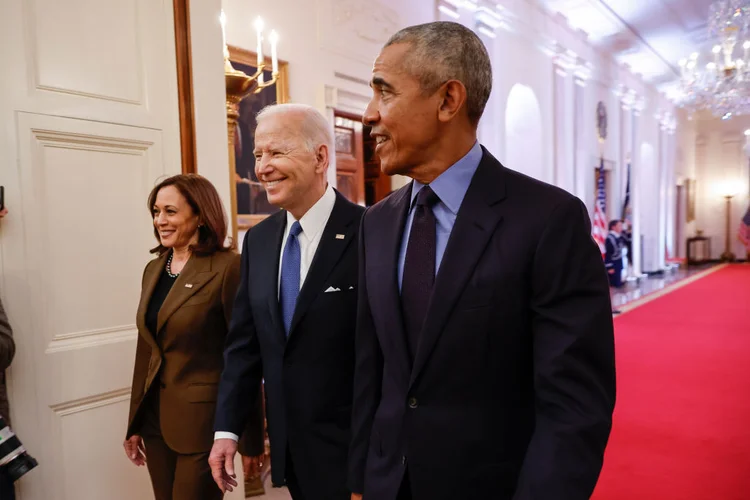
point(249, 58)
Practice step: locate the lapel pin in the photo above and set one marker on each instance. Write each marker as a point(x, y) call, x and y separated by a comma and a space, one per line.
point(188, 285)
point(339, 236)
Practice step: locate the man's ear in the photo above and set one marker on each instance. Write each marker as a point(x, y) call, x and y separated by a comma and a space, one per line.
point(452, 99)
point(322, 158)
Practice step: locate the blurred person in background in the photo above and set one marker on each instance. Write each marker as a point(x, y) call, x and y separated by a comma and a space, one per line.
point(7, 351)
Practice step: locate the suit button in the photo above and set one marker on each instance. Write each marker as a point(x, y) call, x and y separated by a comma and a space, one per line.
point(413, 403)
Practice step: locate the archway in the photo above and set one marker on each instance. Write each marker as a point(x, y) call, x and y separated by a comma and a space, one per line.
point(523, 133)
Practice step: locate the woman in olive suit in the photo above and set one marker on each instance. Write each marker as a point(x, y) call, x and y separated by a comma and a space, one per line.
point(183, 316)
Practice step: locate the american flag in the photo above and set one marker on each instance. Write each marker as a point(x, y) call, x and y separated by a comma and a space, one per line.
point(599, 228)
point(744, 233)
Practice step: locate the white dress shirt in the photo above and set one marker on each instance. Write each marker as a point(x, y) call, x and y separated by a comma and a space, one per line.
point(313, 223)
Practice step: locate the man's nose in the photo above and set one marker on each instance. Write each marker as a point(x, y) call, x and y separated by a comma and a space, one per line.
point(263, 165)
point(371, 115)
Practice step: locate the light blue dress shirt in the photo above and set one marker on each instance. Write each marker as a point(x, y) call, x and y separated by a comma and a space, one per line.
point(451, 187)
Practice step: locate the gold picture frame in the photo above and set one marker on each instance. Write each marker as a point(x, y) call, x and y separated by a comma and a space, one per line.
point(252, 206)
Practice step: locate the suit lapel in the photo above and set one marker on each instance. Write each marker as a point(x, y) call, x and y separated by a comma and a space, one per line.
point(329, 252)
point(479, 215)
point(196, 273)
point(269, 274)
point(149, 284)
point(385, 286)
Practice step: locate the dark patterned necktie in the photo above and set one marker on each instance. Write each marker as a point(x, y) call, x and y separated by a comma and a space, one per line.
point(419, 267)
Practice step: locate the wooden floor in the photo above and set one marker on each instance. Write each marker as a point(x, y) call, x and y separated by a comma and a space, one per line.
point(636, 290)
point(273, 493)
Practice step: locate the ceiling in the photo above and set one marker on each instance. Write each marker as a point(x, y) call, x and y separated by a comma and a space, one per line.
point(651, 36)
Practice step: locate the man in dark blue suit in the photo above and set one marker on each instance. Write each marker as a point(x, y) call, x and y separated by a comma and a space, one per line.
point(485, 350)
point(294, 316)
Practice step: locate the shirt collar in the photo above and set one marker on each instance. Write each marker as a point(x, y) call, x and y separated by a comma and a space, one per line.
point(451, 185)
point(316, 218)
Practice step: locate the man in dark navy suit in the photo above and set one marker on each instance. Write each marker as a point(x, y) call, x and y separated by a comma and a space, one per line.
point(485, 350)
point(294, 315)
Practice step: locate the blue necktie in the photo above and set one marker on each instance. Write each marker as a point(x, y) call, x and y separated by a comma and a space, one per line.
point(290, 276)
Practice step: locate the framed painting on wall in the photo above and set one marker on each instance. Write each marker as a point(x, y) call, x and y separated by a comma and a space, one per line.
point(252, 203)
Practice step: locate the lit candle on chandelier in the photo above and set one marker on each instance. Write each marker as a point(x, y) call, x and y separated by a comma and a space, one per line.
point(711, 71)
point(223, 21)
point(716, 51)
point(274, 38)
point(259, 32)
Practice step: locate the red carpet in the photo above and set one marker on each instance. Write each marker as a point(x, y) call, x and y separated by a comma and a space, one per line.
point(682, 421)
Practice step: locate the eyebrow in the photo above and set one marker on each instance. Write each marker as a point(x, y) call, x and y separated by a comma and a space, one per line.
point(281, 147)
point(379, 82)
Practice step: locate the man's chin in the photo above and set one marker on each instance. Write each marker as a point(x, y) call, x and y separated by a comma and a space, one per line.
point(277, 200)
point(390, 169)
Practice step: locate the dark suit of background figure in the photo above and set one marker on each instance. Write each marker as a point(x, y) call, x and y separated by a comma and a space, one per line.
point(512, 388)
point(176, 376)
point(613, 259)
point(307, 377)
point(7, 350)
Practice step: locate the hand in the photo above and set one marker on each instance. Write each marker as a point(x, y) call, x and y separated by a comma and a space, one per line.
point(356, 496)
point(221, 461)
point(3, 212)
point(251, 466)
point(135, 450)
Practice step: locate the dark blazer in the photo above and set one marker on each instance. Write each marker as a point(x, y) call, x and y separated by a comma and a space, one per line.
point(613, 252)
point(185, 358)
point(513, 385)
point(7, 350)
point(308, 377)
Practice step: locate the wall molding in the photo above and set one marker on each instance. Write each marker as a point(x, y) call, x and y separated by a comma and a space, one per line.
point(32, 55)
point(92, 338)
point(88, 142)
point(91, 402)
point(344, 100)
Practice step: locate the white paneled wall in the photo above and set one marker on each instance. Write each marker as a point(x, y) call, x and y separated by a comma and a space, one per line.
point(89, 120)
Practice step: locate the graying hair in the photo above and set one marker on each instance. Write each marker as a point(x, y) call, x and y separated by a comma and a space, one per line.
point(315, 129)
point(443, 51)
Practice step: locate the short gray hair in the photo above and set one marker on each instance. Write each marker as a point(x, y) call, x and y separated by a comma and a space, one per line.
point(316, 130)
point(445, 51)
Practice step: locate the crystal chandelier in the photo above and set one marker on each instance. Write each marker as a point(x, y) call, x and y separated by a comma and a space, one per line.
point(723, 85)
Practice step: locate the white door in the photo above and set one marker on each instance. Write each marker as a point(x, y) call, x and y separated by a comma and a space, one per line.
point(88, 122)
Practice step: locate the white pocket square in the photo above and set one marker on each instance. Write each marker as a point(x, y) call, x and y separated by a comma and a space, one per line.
point(331, 289)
